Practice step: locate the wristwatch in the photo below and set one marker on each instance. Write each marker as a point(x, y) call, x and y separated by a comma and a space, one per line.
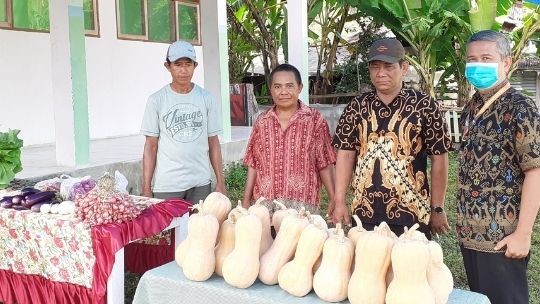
point(438, 209)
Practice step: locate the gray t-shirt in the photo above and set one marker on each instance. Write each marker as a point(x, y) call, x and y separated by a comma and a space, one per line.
point(183, 123)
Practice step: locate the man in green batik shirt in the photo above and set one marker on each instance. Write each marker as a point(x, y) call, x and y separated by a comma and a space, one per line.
point(499, 174)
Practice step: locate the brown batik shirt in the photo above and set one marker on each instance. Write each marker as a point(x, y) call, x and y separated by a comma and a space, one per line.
point(392, 144)
point(496, 149)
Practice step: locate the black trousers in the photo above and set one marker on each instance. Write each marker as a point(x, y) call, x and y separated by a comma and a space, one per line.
point(502, 280)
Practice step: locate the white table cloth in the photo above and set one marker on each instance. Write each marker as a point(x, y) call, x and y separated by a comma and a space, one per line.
point(167, 285)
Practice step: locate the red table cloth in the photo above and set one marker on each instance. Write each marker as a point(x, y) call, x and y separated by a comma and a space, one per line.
point(47, 259)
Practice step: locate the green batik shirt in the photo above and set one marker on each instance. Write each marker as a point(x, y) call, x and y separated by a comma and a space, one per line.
point(496, 149)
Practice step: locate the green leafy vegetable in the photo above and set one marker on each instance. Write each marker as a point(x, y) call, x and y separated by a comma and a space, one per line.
point(10, 156)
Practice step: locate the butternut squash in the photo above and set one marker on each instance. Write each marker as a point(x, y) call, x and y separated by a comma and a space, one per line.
point(356, 231)
point(438, 275)
point(414, 234)
point(332, 278)
point(225, 242)
point(264, 215)
point(296, 277)
point(367, 284)
point(183, 246)
point(390, 272)
point(317, 219)
point(199, 253)
point(218, 204)
point(317, 264)
point(280, 214)
point(180, 251)
point(283, 247)
point(241, 266)
point(410, 259)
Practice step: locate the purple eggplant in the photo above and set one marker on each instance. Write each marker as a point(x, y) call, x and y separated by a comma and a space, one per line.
point(37, 207)
point(16, 200)
point(6, 204)
point(50, 201)
point(19, 207)
point(6, 199)
point(39, 197)
point(29, 190)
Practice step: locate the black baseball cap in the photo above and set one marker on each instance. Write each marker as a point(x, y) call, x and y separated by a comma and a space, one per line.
point(387, 49)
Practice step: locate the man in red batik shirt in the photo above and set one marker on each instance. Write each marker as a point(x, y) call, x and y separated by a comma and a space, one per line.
point(289, 151)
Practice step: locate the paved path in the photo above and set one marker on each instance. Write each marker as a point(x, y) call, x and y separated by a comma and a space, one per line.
point(40, 160)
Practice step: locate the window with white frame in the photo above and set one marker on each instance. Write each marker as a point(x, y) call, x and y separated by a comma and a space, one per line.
point(34, 15)
point(159, 20)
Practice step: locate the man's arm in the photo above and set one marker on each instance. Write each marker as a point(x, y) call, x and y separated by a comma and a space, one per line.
point(518, 243)
point(439, 181)
point(327, 178)
point(149, 164)
point(250, 184)
point(217, 162)
point(344, 169)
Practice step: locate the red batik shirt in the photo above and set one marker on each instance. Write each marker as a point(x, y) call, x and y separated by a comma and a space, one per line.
point(288, 161)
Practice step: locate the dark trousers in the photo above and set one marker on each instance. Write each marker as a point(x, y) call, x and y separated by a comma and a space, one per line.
point(398, 229)
point(502, 280)
point(192, 195)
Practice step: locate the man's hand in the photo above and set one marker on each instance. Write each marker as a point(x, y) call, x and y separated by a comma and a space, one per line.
point(439, 223)
point(147, 193)
point(517, 245)
point(330, 211)
point(340, 214)
point(220, 187)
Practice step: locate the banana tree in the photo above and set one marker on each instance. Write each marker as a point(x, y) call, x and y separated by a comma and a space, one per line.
point(530, 27)
point(482, 14)
point(241, 50)
point(329, 17)
point(431, 29)
point(263, 26)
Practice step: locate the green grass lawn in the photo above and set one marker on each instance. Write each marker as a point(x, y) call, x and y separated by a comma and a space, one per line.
point(235, 179)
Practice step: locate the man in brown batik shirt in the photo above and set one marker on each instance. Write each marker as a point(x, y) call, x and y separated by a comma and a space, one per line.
point(385, 136)
point(499, 174)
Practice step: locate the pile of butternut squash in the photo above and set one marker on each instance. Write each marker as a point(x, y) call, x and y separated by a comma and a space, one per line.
point(363, 266)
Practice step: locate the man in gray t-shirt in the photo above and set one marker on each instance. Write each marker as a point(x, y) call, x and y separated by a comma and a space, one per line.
point(181, 124)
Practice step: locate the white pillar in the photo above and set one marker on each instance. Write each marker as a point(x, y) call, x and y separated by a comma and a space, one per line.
point(68, 64)
point(216, 56)
point(297, 31)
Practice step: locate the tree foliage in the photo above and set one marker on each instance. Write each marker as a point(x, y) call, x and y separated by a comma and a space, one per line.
point(329, 17)
point(432, 30)
point(261, 25)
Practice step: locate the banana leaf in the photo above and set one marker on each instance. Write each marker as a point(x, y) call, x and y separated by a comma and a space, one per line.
point(482, 14)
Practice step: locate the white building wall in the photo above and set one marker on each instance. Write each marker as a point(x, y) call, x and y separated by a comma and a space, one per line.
point(121, 76)
point(25, 85)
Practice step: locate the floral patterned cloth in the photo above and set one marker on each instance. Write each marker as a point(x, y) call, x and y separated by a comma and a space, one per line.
point(57, 247)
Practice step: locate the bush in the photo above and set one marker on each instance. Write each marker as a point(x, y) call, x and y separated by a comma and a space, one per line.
point(235, 181)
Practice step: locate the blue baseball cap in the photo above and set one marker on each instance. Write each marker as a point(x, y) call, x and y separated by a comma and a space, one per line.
point(181, 49)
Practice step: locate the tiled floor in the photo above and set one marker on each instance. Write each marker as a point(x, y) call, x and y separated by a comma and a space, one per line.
point(41, 160)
